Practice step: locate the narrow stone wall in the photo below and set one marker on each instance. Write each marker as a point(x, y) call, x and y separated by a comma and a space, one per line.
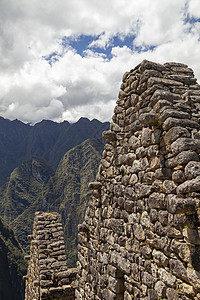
point(140, 237)
point(48, 276)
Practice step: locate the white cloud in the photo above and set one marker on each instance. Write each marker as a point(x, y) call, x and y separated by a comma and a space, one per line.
point(193, 8)
point(75, 86)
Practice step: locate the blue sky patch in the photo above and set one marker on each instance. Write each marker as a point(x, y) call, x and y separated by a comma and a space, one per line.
point(191, 20)
point(82, 43)
point(52, 58)
point(188, 18)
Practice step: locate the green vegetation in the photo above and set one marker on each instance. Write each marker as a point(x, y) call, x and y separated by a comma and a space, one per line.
point(12, 263)
point(33, 187)
point(67, 192)
point(20, 196)
point(43, 167)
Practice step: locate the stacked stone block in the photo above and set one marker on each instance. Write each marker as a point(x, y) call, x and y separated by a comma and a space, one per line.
point(48, 276)
point(140, 238)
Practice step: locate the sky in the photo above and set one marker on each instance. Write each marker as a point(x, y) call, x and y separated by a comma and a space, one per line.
point(64, 59)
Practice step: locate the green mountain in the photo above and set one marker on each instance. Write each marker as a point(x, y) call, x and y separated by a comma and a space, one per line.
point(67, 192)
point(42, 167)
point(33, 186)
point(12, 265)
point(46, 139)
point(18, 196)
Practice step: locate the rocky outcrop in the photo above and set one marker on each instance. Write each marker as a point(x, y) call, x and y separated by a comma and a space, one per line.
point(48, 276)
point(140, 237)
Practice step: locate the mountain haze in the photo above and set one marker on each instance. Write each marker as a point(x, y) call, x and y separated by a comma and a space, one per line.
point(46, 139)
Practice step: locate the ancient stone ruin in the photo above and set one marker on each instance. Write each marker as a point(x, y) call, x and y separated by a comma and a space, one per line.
point(139, 238)
point(48, 276)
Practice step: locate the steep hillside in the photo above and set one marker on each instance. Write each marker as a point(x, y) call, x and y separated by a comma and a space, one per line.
point(75, 135)
point(47, 139)
point(67, 192)
point(32, 187)
point(23, 189)
point(12, 265)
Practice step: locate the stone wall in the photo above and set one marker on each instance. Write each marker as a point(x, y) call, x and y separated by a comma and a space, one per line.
point(48, 276)
point(140, 237)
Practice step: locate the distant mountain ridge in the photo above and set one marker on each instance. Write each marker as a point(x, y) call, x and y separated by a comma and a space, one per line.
point(46, 139)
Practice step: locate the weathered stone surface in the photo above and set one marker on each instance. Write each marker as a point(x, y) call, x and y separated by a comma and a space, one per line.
point(122, 94)
point(177, 205)
point(182, 78)
point(116, 225)
point(160, 258)
point(146, 137)
point(114, 127)
point(108, 295)
point(155, 80)
point(145, 219)
point(48, 276)
point(149, 73)
point(163, 173)
point(171, 294)
point(193, 278)
point(147, 279)
point(114, 272)
point(157, 200)
point(187, 290)
point(161, 104)
point(182, 159)
point(149, 65)
point(109, 135)
point(174, 122)
point(164, 94)
point(192, 236)
point(192, 169)
point(152, 294)
point(133, 179)
point(169, 187)
point(182, 249)
point(178, 269)
point(173, 113)
point(155, 137)
point(173, 232)
point(139, 232)
point(116, 285)
point(160, 288)
point(134, 142)
point(189, 186)
point(184, 144)
point(174, 133)
point(176, 65)
point(148, 119)
point(178, 176)
point(166, 277)
point(142, 190)
point(130, 157)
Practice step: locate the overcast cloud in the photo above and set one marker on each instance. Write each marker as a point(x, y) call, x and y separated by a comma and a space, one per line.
point(64, 59)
